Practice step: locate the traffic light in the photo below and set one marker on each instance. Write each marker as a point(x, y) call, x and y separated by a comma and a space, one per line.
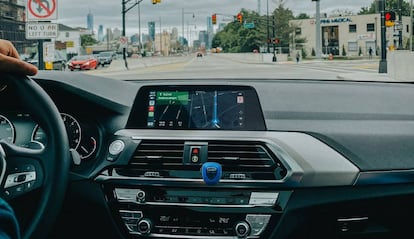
point(156, 1)
point(239, 17)
point(214, 19)
point(390, 16)
point(276, 40)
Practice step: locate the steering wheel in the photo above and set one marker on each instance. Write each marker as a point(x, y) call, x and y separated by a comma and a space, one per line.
point(35, 180)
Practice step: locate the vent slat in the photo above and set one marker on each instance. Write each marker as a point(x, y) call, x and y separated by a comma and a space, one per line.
point(251, 159)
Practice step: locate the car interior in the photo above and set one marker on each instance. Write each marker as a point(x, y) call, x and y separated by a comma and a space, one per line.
point(207, 158)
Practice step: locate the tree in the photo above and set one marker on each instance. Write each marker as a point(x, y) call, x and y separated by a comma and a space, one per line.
point(88, 40)
point(304, 54)
point(303, 16)
point(313, 52)
point(343, 50)
point(389, 5)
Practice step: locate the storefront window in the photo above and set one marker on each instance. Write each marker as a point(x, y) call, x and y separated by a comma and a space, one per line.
point(353, 46)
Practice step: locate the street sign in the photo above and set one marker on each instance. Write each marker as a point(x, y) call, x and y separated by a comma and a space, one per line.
point(123, 42)
point(249, 25)
point(41, 30)
point(41, 10)
point(48, 51)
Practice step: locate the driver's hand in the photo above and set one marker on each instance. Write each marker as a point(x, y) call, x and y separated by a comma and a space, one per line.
point(10, 61)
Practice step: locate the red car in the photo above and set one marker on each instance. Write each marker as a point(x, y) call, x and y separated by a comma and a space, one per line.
point(85, 62)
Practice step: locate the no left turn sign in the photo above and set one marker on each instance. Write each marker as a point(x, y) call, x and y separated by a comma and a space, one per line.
point(40, 10)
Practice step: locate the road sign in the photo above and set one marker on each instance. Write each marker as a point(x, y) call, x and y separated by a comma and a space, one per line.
point(41, 30)
point(41, 10)
point(249, 25)
point(123, 42)
point(48, 51)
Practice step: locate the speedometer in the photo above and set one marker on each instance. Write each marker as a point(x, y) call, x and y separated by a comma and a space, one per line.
point(73, 130)
point(6, 129)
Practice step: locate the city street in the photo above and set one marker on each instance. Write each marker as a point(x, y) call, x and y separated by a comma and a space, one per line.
point(223, 67)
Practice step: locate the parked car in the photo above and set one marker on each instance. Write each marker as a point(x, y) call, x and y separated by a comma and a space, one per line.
point(106, 57)
point(84, 62)
point(58, 63)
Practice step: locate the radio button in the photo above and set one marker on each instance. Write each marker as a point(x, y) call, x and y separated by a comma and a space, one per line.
point(242, 229)
point(144, 226)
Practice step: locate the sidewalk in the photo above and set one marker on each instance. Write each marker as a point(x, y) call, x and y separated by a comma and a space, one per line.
point(136, 63)
point(365, 76)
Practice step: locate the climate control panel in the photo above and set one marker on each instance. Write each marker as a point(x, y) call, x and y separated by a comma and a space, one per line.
point(161, 212)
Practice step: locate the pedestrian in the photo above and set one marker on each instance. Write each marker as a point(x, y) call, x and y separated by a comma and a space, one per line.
point(370, 52)
point(297, 57)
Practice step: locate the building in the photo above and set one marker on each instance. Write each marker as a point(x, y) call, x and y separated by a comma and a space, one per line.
point(151, 30)
point(89, 21)
point(71, 37)
point(354, 34)
point(12, 25)
point(163, 43)
point(101, 36)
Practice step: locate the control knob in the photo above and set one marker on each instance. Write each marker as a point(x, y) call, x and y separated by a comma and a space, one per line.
point(144, 226)
point(242, 229)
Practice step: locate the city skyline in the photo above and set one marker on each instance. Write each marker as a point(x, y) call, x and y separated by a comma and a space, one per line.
point(105, 12)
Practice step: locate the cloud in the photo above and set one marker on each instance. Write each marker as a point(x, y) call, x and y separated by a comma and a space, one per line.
point(109, 12)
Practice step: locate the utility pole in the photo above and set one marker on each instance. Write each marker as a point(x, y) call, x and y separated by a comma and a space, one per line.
point(124, 11)
point(318, 29)
point(268, 33)
point(383, 61)
point(182, 21)
point(400, 43)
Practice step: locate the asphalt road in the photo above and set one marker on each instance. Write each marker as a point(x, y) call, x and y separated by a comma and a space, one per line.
point(214, 66)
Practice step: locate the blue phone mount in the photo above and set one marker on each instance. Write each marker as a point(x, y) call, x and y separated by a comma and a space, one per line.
point(211, 172)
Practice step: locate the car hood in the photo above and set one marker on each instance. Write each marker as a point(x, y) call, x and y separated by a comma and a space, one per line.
point(80, 62)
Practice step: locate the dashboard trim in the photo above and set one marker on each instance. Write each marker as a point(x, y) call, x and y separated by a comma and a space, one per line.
point(309, 162)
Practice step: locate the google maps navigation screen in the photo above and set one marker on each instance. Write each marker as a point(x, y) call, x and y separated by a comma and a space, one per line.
point(227, 108)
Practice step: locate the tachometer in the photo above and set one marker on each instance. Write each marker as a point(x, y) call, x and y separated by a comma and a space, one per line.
point(73, 130)
point(6, 129)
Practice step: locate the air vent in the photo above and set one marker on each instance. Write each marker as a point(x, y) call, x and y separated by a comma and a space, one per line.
point(240, 155)
point(156, 153)
point(240, 160)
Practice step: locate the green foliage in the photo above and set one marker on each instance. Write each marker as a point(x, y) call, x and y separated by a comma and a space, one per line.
point(389, 5)
point(304, 54)
point(88, 40)
point(313, 52)
point(235, 38)
point(343, 50)
point(303, 16)
point(360, 51)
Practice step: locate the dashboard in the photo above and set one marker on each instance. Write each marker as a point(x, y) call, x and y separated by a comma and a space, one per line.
point(22, 130)
point(258, 158)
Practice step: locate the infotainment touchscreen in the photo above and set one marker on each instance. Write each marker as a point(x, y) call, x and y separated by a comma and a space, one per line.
point(228, 108)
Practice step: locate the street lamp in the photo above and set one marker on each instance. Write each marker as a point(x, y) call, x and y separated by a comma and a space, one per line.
point(139, 25)
point(182, 18)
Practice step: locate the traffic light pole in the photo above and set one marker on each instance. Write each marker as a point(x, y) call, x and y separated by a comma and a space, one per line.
point(124, 11)
point(383, 61)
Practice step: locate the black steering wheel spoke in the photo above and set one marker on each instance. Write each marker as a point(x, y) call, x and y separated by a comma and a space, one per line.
point(44, 170)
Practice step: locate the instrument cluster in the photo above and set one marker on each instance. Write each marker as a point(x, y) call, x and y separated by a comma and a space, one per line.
point(21, 129)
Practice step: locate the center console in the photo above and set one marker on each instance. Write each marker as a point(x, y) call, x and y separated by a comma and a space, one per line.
point(187, 172)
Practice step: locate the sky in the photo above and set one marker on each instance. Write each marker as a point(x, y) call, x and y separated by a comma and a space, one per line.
point(169, 12)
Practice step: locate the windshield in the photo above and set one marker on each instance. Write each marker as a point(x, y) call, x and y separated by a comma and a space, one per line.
point(361, 40)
